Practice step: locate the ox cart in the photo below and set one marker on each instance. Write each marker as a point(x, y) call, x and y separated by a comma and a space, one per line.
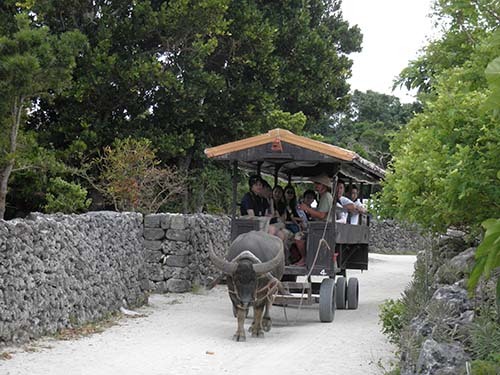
point(332, 248)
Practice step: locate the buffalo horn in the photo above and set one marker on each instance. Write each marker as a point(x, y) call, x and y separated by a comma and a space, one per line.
point(261, 268)
point(220, 263)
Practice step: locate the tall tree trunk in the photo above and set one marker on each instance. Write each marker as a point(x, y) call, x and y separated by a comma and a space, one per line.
point(4, 179)
point(184, 164)
point(7, 168)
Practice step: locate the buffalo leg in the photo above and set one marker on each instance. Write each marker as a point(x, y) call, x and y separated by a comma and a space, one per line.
point(240, 332)
point(266, 319)
point(256, 328)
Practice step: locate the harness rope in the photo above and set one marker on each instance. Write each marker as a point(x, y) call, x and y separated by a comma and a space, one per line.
point(272, 287)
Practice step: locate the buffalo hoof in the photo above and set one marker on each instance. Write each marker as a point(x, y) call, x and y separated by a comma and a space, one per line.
point(267, 324)
point(259, 333)
point(238, 337)
point(250, 329)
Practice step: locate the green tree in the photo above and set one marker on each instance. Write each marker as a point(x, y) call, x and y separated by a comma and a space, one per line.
point(488, 253)
point(192, 74)
point(464, 25)
point(370, 123)
point(30, 179)
point(33, 63)
point(446, 159)
point(143, 74)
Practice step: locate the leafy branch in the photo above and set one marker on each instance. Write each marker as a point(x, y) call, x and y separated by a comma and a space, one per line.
point(487, 256)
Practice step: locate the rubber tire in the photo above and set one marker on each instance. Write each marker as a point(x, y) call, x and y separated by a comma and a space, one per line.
point(327, 301)
point(352, 293)
point(341, 293)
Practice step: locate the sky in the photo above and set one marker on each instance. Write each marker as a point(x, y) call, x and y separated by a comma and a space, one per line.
point(393, 33)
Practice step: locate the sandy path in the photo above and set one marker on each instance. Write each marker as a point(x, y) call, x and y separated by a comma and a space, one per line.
point(191, 334)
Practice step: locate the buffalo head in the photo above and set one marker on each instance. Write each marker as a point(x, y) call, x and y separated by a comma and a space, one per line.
point(243, 272)
point(255, 259)
point(230, 267)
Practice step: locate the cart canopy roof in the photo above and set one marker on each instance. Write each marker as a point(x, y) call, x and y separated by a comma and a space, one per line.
point(293, 157)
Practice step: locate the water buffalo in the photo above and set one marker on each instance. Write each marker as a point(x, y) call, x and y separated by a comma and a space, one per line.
point(254, 265)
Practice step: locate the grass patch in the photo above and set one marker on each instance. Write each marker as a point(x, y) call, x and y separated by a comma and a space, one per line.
point(202, 290)
point(88, 329)
point(197, 289)
point(485, 334)
point(175, 301)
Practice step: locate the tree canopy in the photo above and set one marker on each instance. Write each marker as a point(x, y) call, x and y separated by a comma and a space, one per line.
point(445, 165)
point(34, 64)
point(188, 74)
point(370, 123)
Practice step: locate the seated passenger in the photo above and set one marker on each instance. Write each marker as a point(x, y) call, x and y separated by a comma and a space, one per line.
point(344, 203)
point(360, 208)
point(267, 194)
point(279, 205)
point(292, 220)
point(308, 198)
point(252, 203)
point(277, 222)
point(321, 185)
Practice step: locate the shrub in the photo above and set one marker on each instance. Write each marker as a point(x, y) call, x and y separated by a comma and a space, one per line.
point(419, 291)
point(211, 190)
point(487, 255)
point(391, 315)
point(485, 334)
point(65, 197)
point(132, 178)
point(490, 366)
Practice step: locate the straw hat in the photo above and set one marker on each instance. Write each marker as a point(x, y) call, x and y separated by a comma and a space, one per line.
point(322, 179)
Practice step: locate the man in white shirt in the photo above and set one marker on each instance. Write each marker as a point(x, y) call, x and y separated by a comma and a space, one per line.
point(360, 208)
point(347, 206)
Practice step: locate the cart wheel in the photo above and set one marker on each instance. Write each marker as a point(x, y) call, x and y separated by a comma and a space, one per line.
point(352, 293)
point(327, 301)
point(341, 293)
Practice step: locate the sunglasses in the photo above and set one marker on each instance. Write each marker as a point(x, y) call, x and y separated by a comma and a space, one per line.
point(290, 192)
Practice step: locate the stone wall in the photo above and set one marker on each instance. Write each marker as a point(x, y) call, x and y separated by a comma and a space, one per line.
point(58, 271)
point(176, 249)
point(394, 237)
point(177, 257)
point(442, 328)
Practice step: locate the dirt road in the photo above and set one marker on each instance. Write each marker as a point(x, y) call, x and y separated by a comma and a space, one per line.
point(191, 334)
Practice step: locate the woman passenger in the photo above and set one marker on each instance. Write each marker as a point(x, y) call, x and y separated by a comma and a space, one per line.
point(292, 219)
point(279, 205)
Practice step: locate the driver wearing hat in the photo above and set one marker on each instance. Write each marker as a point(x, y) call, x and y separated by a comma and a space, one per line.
point(322, 184)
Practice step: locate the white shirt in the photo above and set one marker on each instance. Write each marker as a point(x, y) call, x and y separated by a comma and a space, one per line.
point(344, 201)
point(355, 216)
